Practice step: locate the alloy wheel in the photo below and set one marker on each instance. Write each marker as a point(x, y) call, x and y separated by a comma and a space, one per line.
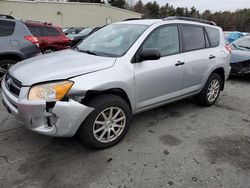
point(213, 90)
point(109, 124)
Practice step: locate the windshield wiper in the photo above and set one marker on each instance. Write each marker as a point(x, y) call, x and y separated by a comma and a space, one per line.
point(247, 47)
point(87, 52)
point(90, 52)
point(95, 53)
point(234, 46)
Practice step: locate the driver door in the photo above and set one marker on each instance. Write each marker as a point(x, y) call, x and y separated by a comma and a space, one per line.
point(159, 80)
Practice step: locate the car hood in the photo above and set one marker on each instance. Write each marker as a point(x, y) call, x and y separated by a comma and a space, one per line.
point(239, 56)
point(57, 66)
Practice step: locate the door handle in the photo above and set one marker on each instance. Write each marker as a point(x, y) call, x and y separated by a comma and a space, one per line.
point(211, 57)
point(179, 63)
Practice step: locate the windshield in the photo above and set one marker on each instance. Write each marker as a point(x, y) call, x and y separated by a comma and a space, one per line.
point(242, 44)
point(113, 40)
point(86, 31)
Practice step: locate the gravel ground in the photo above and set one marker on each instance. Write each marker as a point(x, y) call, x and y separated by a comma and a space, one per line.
point(177, 145)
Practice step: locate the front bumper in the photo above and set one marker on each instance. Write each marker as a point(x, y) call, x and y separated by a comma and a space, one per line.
point(61, 120)
point(240, 68)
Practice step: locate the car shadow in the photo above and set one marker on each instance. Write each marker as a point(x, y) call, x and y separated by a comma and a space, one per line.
point(46, 165)
point(245, 78)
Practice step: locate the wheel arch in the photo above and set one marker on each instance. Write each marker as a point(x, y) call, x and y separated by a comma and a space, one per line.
point(90, 94)
point(12, 56)
point(48, 47)
point(221, 72)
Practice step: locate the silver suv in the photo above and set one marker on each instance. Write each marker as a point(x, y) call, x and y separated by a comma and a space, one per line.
point(121, 70)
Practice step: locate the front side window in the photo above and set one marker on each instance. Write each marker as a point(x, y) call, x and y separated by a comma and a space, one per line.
point(193, 38)
point(166, 39)
point(6, 28)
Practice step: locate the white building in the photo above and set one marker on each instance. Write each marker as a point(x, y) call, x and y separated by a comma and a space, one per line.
point(66, 14)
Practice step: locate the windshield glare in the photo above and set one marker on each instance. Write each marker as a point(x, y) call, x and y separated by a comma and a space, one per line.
point(113, 40)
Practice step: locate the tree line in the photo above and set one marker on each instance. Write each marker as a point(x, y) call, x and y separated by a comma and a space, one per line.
point(229, 21)
point(238, 20)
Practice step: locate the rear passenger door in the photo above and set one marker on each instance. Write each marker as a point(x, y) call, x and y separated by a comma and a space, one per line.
point(53, 37)
point(198, 56)
point(216, 51)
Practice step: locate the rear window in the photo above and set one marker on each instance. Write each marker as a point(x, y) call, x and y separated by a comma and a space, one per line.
point(36, 31)
point(193, 38)
point(6, 28)
point(214, 36)
point(50, 31)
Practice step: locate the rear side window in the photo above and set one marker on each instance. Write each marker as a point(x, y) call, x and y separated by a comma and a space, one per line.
point(214, 36)
point(6, 28)
point(50, 31)
point(36, 31)
point(193, 38)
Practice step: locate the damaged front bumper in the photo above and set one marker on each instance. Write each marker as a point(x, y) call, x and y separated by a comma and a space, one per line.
point(240, 68)
point(61, 119)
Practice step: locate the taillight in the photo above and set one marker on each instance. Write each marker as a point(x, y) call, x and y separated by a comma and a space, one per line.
point(32, 39)
point(65, 39)
point(228, 48)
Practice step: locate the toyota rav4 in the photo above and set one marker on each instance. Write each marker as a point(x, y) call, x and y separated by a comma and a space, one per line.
point(121, 70)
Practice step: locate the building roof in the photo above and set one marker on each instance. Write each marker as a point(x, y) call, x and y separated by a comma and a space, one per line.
point(73, 3)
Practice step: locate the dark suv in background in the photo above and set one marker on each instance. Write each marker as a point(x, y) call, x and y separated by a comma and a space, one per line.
point(72, 30)
point(51, 38)
point(76, 38)
point(16, 43)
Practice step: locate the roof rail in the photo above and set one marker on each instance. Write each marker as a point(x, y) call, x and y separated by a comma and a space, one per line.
point(7, 16)
point(130, 19)
point(190, 19)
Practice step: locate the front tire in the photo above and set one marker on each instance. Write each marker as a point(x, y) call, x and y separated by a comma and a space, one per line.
point(107, 124)
point(211, 91)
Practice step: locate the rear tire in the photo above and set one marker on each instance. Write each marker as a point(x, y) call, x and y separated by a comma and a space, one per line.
point(5, 65)
point(211, 91)
point(107, 124)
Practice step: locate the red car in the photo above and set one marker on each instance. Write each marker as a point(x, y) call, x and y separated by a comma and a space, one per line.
point(51, 38)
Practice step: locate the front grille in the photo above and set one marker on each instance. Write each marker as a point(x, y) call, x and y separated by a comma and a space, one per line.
point(13, 85)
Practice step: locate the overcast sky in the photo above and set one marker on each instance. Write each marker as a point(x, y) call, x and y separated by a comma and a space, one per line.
point(213, 5)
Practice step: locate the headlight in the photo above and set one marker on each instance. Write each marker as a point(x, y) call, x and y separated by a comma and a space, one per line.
point(50, 92)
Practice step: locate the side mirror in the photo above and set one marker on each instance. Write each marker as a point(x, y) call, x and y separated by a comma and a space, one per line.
point(150, 54)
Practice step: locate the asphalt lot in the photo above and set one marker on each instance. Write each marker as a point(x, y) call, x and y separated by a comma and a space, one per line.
point(178, 145)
